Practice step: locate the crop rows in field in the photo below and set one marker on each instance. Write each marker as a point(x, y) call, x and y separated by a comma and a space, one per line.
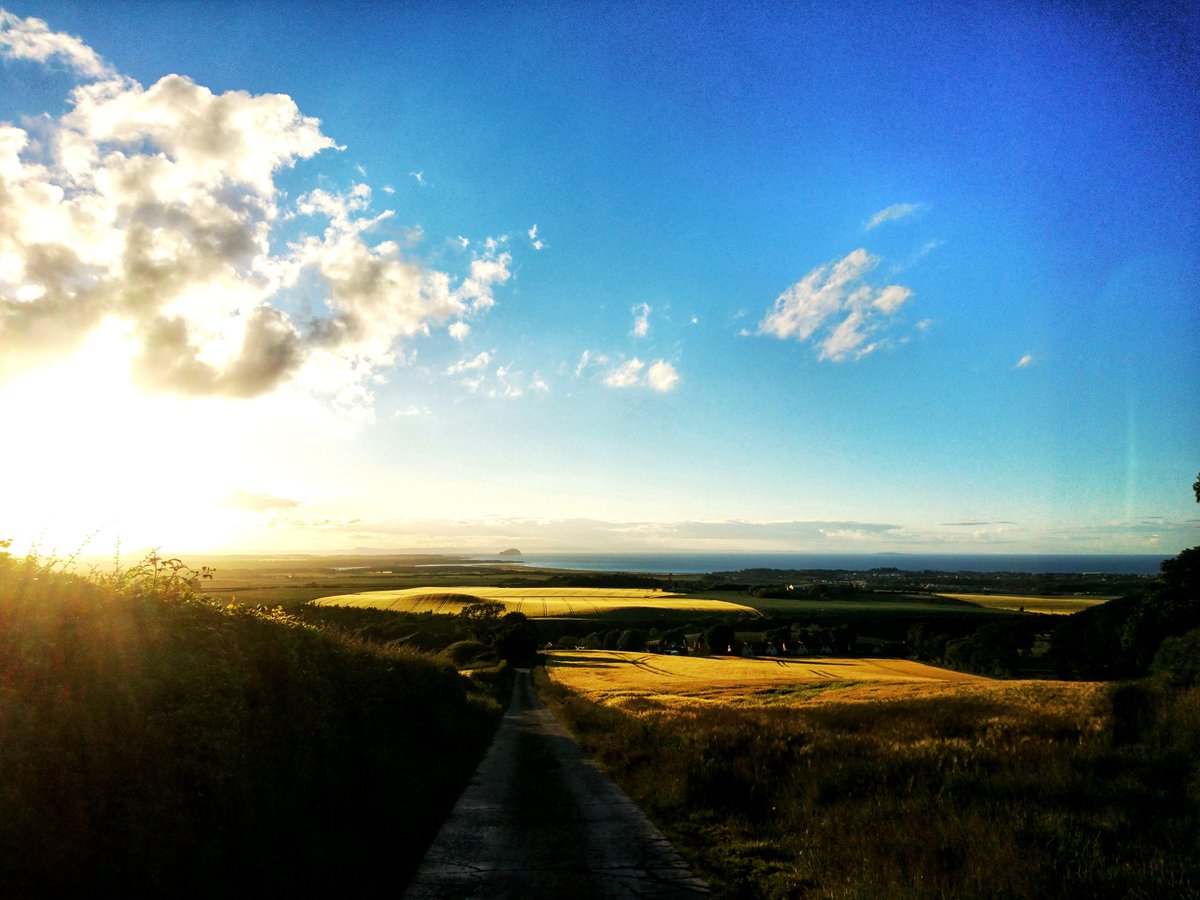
point(618, 676)
point(536, 602)
point(1054, 605)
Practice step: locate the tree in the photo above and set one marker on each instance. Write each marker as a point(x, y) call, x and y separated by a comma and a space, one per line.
point(482, 617)
point(517, 639)
point(632, 640)
point(720, 638)
point(1196, 488)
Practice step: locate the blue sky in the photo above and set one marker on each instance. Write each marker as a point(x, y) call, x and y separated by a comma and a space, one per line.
point(598, 276)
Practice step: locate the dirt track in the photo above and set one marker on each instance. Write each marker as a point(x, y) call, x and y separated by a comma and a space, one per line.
point(538, 820)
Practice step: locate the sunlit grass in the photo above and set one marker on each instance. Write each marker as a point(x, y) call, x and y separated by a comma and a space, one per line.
point(537, 602)
point(616, 677)
point(913, 789)
point(1018, 602)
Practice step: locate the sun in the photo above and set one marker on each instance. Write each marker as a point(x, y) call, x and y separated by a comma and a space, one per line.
point(90, 462)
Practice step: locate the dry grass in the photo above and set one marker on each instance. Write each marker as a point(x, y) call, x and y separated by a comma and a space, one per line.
point(1017, 602)
point(906, 786)
point(537, 602)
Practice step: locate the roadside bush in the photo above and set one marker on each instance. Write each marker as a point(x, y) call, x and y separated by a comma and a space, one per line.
point(462, 654)
point(1178, 659)
point(153, 742)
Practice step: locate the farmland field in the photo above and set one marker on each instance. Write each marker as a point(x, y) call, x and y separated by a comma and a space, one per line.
point(538, 602)
point(1053, 605)
point(619, 678)
point(855, 778)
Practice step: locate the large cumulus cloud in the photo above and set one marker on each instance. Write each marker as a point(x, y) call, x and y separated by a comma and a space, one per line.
point(158, 207)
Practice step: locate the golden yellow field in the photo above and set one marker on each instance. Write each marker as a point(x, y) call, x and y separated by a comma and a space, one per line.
point(536, 602)
point(617, 677)
point(1055, 605)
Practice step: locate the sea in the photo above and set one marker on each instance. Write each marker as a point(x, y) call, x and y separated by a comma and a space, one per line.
point(685, 563)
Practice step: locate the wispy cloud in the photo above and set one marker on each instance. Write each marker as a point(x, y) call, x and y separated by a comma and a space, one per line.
point(470, 365)
point(258, 502)
point(976, 524)
point(835, 305)
point(891, 214)
point(627, 374)
point(641, 320)
point(420, 178)
point(1024, 361)
point(659, 376)
point(920, 253)
point(411, 412)
point(537, 242)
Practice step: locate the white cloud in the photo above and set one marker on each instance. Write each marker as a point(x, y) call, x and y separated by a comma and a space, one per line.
point(627, 374)
point(410, 412)
point(584, 358)
point(891, 214)
point(33, 40)
point(641, 320)
point(1024, 361)
point(891, 298)
point(836, 300)
point(533, 238)
point(662, 376)
point(419, 176)
point(459, 330)
point(157, 208)
point(470, 365)
point(257, 501)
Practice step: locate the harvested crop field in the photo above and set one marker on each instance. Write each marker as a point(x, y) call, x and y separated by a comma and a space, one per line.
point(538, 602)
point(1017, 602)
point(616, 677)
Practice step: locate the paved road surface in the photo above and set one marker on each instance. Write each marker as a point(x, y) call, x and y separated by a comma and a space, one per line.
point(538, 820)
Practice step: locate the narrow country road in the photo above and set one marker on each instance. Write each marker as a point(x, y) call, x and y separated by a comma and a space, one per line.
point(539, 820)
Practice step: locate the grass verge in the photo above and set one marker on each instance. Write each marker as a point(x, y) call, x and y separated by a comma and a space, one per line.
point(1026, 792)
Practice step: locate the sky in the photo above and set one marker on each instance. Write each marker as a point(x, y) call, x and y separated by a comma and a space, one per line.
point(284, 277)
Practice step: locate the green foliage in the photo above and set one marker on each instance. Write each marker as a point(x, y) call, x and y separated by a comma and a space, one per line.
point(157, 743)
point(482, 618)
point(463, 654)
point(632, 639)
point(1178, 660)
point(720, 638)
point(517, 640)
point(1119, 639)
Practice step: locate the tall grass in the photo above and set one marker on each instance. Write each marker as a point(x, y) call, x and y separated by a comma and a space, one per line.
point(151, 741)
point(1021, 794)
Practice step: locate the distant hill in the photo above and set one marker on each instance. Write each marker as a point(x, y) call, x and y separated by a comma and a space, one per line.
point(512, 551)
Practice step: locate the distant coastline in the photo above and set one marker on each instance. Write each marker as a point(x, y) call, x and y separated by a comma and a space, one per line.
point(700, 562)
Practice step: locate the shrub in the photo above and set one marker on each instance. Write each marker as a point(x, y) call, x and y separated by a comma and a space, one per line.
point(153, 742)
